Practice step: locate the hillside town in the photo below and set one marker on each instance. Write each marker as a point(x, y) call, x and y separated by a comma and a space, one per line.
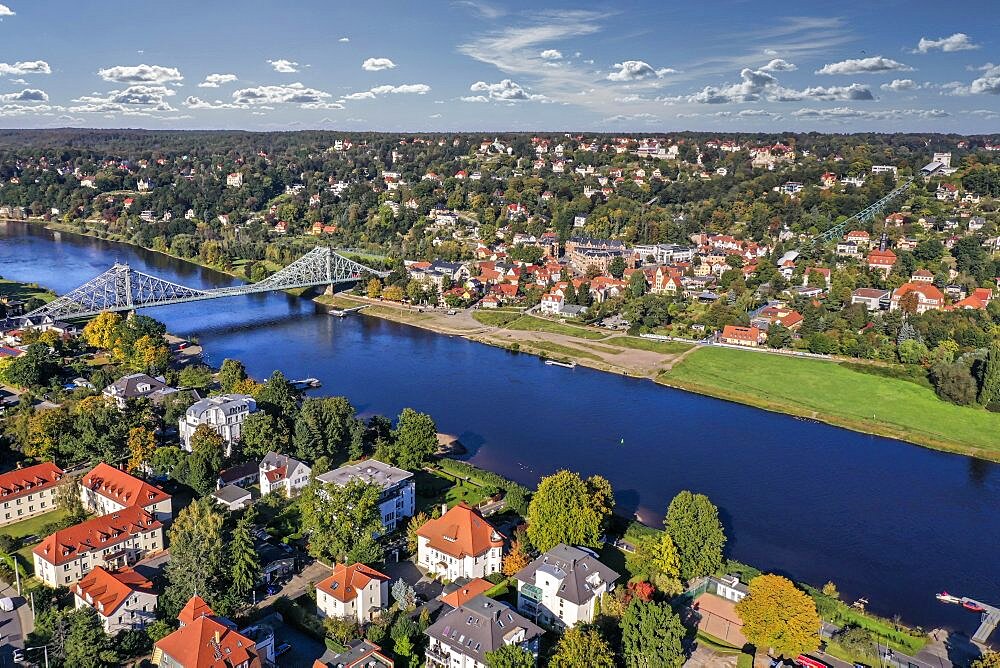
point(159, 511)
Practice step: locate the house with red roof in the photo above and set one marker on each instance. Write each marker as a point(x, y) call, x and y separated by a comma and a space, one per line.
point(881, 260)
point(777, 315)
point(734, 335)
point(112, 541)
point(106, 489)
point(859, 237)
point(928, 297)
point(356, 592)
point(460, 544)
point(123, 599)
point(29, 491)
point(978, 300)
point(206, 640)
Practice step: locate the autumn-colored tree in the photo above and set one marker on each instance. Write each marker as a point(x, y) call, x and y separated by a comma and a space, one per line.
point(641, 590)
point(516, 559)
point(103, 331)
point(374, 288)
point(582, 646)
point(412, 527)
point(149, 356)
point(141, 444)
point(778, 615)
point(393, 293)
point(568, 509)
point(988, 660)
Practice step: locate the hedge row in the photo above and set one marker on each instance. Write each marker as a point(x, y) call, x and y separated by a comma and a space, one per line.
point(517, 495)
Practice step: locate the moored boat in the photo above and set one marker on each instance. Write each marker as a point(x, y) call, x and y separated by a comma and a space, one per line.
point(945, 597)
point(973, 606)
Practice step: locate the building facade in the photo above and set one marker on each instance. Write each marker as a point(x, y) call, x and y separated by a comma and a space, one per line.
point(28, 492)
point(106, 490)
point(123, 599)
point(355, 591)
point(460, 544)
point(224, 414)
point(563, 586)
point(397, 501)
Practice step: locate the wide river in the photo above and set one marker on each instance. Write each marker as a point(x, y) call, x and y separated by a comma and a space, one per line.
point(886, 520)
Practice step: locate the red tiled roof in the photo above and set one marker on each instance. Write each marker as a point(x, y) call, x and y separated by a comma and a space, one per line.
point(927, 290)
point(29, 480)
point(460, 532)
point(122, 487)
point(95, 534)
point(107, 590)
point(466, 592)
point(195, 607)
point(208, 643)
point(346, 581)
point(741, 333)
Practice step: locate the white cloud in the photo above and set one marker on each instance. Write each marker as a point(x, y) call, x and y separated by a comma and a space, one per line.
point(989, 82)
point(26, 95)
point(474, 98)
point(624, 118)
point(899, 85)
point(216, 80)
point(630, 99)
point(754, 83)
point(138, 74)
point(25, 67)
point(864, 66)
point(284, 66)
point(551, 54)
point(6, 11)
point(294, 93)
point(848, 113)
point(136, 100)
point(779, 65)
point(826, 93)
point(377, 64)
point(503, 91)
point(637, 70)
point(435, 116)
point(193, 102)
point(402, 89)
point(957, 42)
point(344, 40)
point(758, 113)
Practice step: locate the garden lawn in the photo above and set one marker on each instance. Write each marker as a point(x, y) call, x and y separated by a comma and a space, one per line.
point(24, 291)
point(496, 318)
point(832, 393)
point(533, 324)
point(665, 347)
point(32, 525)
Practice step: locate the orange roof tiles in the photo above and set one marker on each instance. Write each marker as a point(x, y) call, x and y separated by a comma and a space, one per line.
point(107, 590)
point(461, 532)
point(347, 581)
point(29, 480)
point(122, 487)
point(208, 643)
point(195, 607)
point(96, 534)
point(466, 592)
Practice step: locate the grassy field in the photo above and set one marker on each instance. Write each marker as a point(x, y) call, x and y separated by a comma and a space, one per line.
point(24, 291)
point(636, 343)
point(557, 351)
point(533, 324)
point(832, 393)
point(32, 525)
point(496, 318)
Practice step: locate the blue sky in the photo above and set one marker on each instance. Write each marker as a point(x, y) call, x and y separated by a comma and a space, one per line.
point(645, 66)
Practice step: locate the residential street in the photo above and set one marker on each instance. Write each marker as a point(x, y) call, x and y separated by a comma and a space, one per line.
point(14, 626)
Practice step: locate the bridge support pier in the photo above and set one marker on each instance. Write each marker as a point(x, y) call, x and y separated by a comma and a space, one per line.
point(329, 290)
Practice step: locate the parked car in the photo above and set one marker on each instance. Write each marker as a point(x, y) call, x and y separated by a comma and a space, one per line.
point(7, 604)
point(273, 589)
point(283, 648)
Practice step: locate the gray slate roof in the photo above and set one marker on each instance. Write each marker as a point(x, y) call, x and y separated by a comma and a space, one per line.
point(370, 471)
point(480, 626)
point(578, 569)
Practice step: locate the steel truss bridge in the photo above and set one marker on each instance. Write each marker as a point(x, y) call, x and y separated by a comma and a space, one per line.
point(865, 214)
point(122, 288)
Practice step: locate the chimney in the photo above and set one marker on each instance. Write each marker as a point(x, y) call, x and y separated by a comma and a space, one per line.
point(444, 508)
point(217, 637)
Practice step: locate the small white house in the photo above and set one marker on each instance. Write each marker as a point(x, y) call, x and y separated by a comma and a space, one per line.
point(460, 544)
point(282, 473)
point(224, 414)
point(355, 591)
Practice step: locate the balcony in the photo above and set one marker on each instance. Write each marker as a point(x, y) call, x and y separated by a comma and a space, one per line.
point(435, 657)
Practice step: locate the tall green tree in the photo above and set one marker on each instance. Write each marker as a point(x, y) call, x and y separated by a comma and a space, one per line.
point(652, 635)
point(196, 559)
point(693, 523)
point(231, 373)
point(989, 390)
point(510, 656)
point(779, 616)
point(279, 398)
point(343, 521)
point(261, 433)
point(415, 439)
point(325, 427)
point(568, 509)
point(243, 560)
point(582, 646)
